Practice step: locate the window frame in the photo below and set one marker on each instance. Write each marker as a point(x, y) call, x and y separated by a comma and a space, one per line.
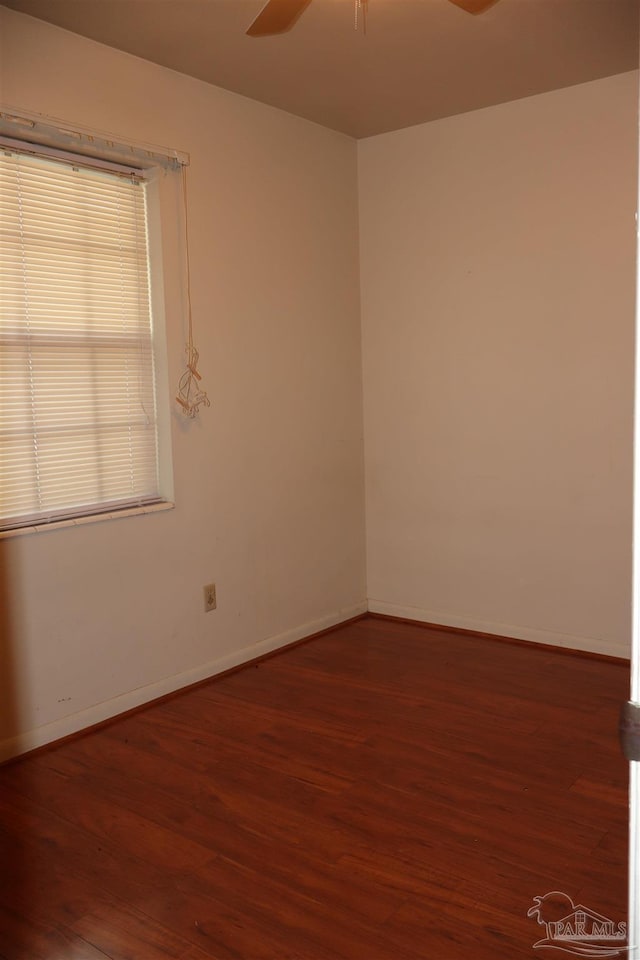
point(154, 169)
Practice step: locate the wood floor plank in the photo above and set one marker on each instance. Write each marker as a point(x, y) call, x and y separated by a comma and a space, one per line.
point(121, 933)
point(29, 939)
point(386, 791)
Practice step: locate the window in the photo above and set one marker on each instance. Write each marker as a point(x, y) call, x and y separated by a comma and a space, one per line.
point(78, 409)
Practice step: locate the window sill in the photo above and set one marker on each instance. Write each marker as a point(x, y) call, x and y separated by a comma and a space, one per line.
point(94, 518)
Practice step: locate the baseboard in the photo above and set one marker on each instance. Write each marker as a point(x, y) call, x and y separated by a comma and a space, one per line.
point(596, 645)
point(109, 709)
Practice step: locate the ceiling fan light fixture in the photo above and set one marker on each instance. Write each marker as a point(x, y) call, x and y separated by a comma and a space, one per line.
point(474, 6)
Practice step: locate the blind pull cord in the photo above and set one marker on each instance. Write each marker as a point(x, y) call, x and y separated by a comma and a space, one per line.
point(190, 396)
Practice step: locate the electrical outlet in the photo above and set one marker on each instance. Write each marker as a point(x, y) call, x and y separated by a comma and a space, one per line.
point(209, 597)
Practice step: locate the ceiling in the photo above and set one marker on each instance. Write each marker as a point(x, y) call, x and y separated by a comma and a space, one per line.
point(419, 60)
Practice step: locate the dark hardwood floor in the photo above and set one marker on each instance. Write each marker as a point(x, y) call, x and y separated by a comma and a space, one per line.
point(385, 791)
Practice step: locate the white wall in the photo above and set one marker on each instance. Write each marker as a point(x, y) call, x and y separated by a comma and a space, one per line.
point(497, 277)
point(269, 482)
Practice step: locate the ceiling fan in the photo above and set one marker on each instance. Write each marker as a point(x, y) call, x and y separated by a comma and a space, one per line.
point(278, 16)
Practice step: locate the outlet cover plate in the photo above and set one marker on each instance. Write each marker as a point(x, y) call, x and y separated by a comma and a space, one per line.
point(209, 597)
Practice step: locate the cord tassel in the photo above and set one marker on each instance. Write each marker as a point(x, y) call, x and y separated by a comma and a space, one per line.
point(189, 395)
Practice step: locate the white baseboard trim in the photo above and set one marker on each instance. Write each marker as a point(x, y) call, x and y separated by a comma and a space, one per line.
point(50, 732)
point(588, 644)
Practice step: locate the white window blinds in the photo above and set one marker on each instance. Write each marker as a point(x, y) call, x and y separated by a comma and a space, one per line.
point(77, 408)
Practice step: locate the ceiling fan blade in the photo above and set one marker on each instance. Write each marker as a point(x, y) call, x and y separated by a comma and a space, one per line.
point(474, 6)
point(277, 16)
